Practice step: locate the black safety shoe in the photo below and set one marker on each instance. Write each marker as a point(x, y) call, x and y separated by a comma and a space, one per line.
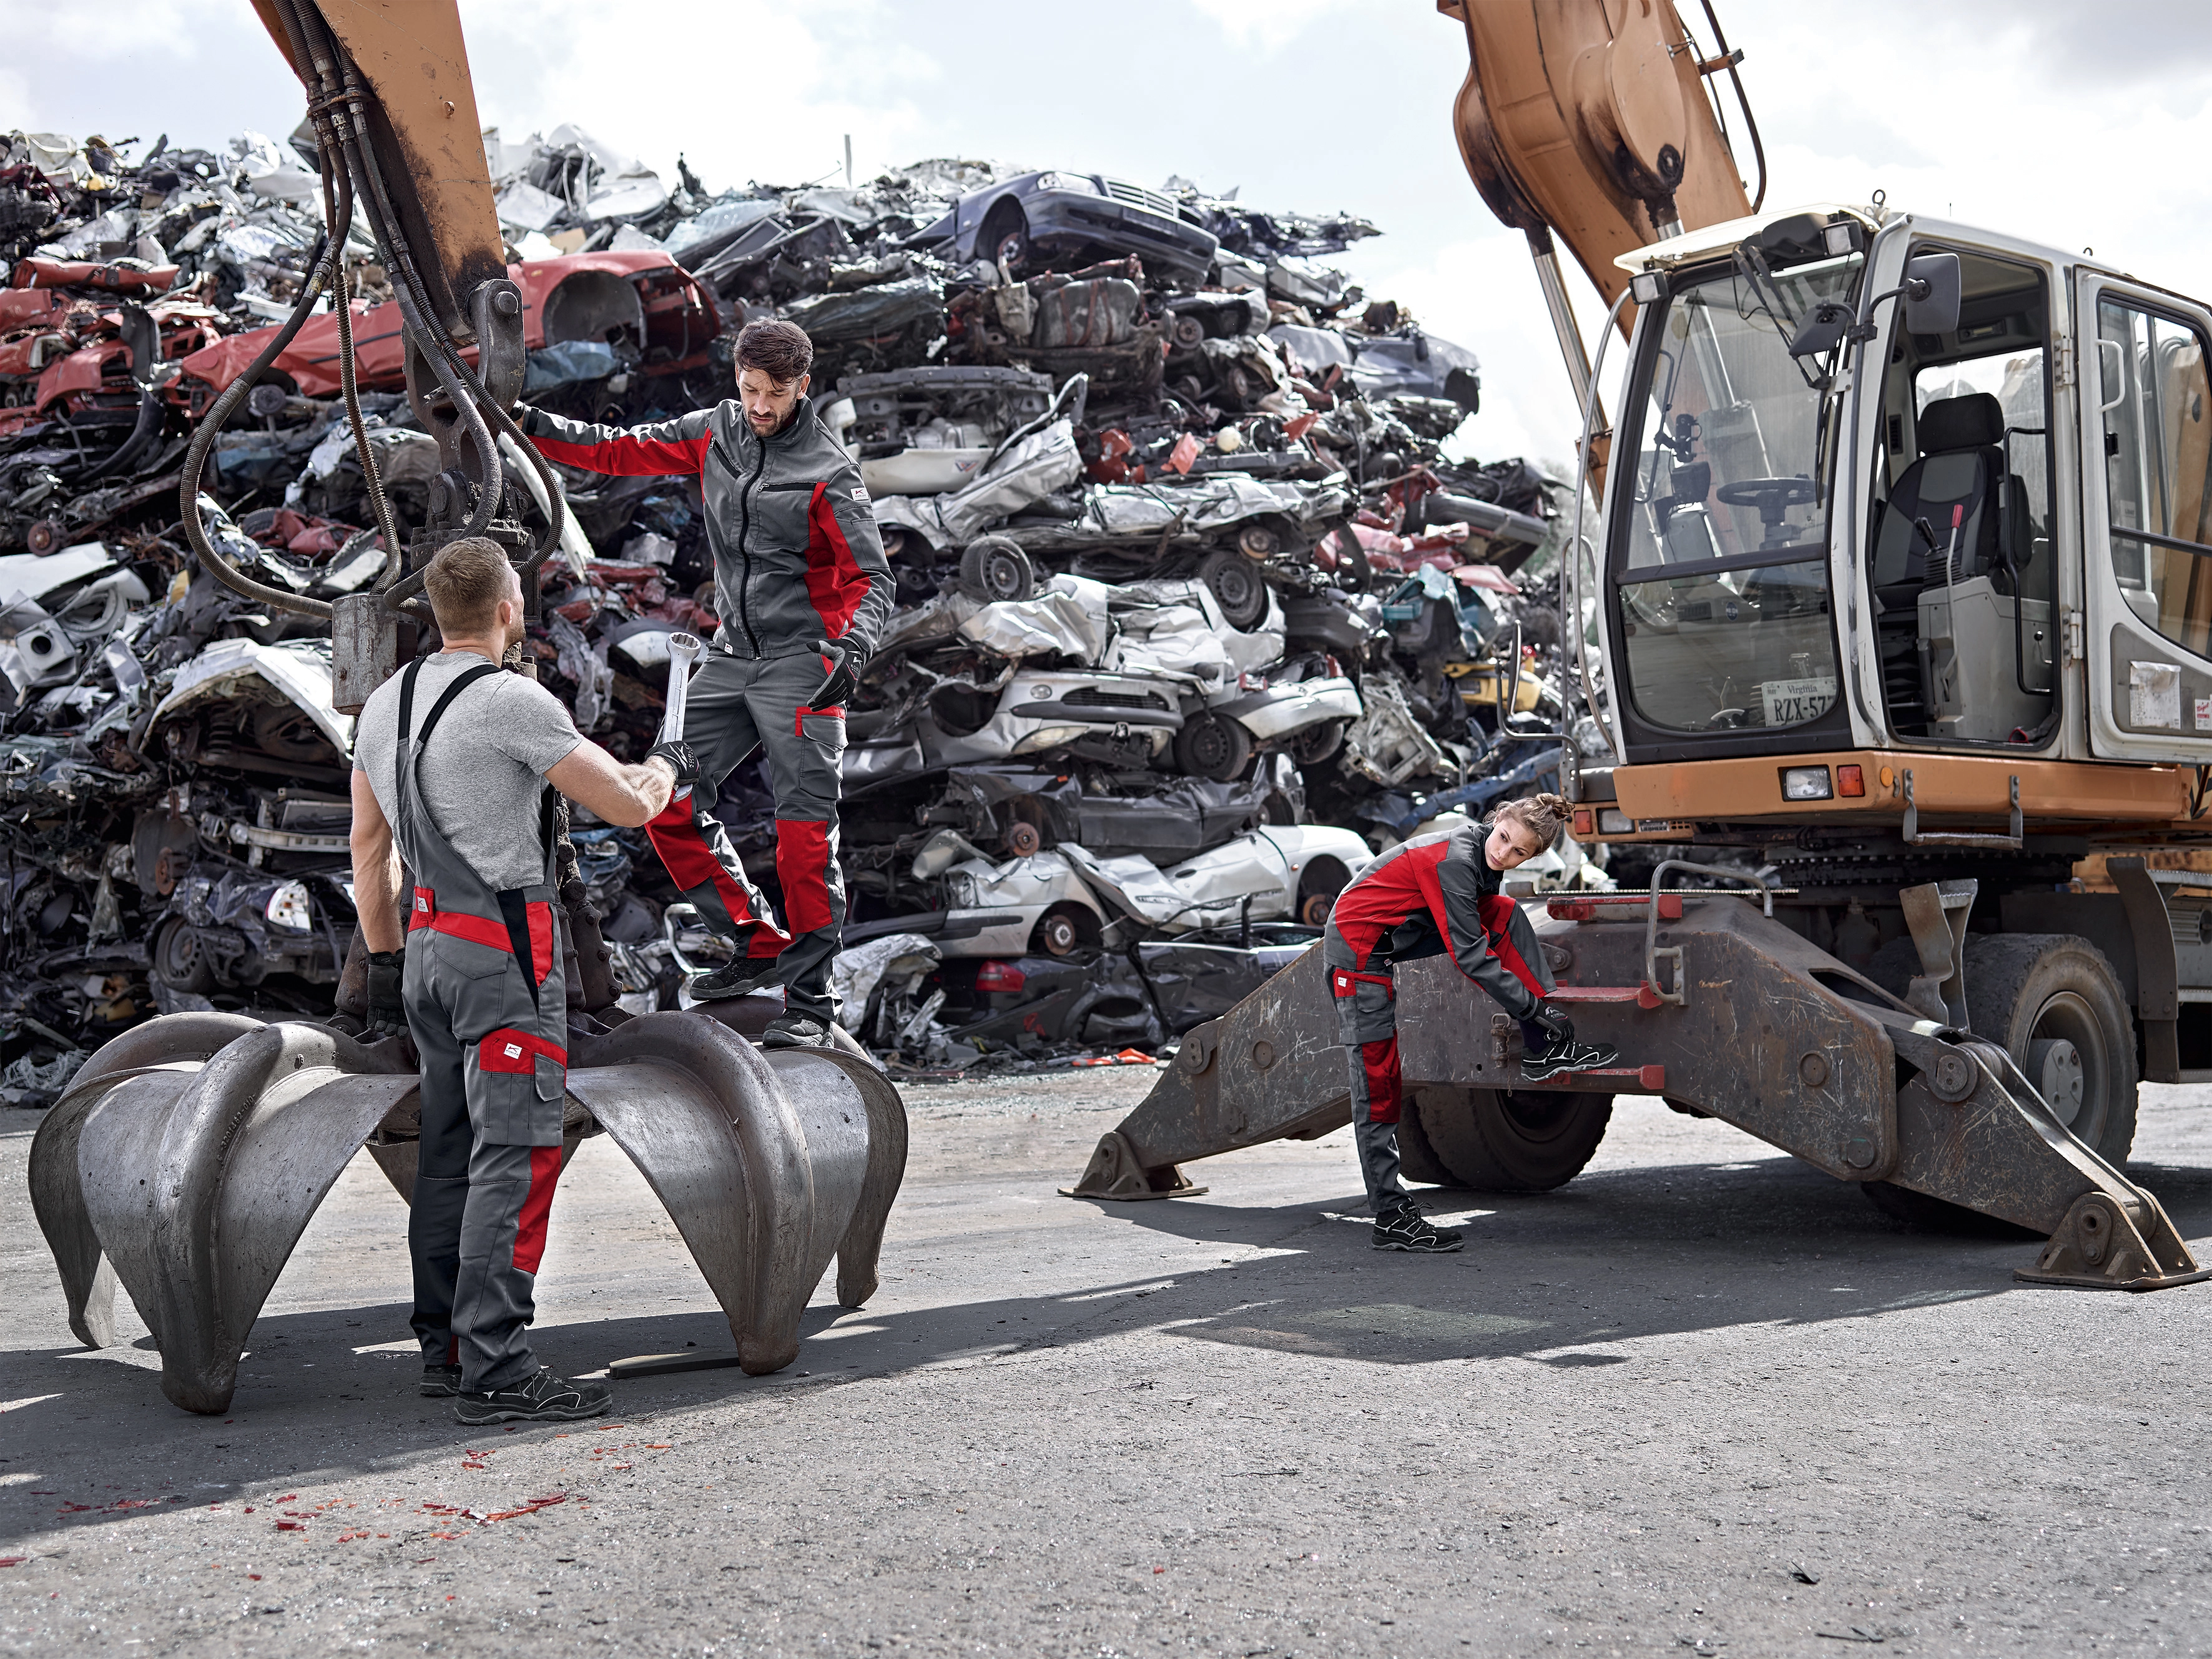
point(734, 978)
point(440, 1381)
point(1407, 1229)
point(1567, 1054)
point(796, 1031)
point(543, 1398)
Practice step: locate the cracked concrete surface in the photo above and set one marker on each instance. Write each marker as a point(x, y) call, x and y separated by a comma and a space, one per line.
point(1703, 1398)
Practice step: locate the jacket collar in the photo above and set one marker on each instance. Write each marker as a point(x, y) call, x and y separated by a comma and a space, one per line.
point(802, 417)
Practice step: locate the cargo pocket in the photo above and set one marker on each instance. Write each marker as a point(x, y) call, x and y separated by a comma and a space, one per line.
point(514, 1084)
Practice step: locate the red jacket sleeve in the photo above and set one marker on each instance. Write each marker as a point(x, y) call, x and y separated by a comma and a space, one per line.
point(666, 447)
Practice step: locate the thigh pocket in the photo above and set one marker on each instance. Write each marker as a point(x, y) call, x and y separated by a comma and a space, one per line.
point(515, 1084)
point(824, 728)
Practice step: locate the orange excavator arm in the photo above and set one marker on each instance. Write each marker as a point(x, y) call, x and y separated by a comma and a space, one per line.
point(397, 140)
point(1588, 122)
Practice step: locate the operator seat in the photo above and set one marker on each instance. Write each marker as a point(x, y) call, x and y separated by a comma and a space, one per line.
point(1961, 466)
point(1960, 469)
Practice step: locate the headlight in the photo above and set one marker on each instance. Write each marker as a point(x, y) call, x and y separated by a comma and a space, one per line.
point(289, 907)
point(1806, 783)
point(1611, 821)
point(1069, 181)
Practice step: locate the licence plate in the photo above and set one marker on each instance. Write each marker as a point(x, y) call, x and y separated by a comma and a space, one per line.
point(1791, 702)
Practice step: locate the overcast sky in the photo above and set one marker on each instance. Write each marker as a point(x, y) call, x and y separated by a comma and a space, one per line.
point(2075, 124)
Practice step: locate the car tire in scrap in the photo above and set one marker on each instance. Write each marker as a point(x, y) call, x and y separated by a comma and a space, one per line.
point(1317, 743)
point(2054, 1003)
point(1318, 886)
point(1526, 1141)
point(1236, 583)
point(996, 570)
point(1213, 747)
point(179, 961)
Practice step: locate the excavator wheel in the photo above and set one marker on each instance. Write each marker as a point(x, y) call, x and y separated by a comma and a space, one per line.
point(2055, 1003)
point(1497, 1142)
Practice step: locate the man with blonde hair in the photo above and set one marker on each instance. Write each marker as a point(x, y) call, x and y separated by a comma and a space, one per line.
point(455, 763)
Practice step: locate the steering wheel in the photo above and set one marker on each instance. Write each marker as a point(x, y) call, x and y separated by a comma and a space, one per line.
point(1773, 497)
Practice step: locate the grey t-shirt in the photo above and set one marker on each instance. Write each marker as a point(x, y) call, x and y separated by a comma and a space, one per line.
point(485, 767)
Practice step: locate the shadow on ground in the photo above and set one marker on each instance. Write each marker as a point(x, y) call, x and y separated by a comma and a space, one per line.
point(1569, 1279)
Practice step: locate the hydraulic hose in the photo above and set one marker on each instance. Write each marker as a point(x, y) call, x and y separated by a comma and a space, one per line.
point(320, 266)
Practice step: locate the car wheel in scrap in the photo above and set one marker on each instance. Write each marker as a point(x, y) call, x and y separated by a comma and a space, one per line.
point(1005, 239)
point(1238, 584)
point(44, 536)
point(179, 961)
point(996, 570)
point(1324, 878)
point(1213, 747)
point(1186, 333)
point(1317, 743)
point(1063, 930)
point(1023, 838)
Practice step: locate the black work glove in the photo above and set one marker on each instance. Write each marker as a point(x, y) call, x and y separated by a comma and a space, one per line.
point(679, 755)
point(1557, 1025)
point(846, 660)
point(387, 1010)
point(527, 419)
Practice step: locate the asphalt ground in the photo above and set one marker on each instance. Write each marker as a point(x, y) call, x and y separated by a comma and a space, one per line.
point(1703, 1398)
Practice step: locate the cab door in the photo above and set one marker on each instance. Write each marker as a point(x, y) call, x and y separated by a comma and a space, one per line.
point(2146, 424)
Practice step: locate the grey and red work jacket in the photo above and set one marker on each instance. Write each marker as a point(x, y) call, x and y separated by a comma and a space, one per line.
point(1439, 895)
point(797, 555)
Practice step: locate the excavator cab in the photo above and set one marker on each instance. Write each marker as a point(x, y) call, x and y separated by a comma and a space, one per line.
point(1745, 513)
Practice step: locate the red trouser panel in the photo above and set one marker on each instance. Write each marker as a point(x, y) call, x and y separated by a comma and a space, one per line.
point(1499, 914)
point(541, 941)
point(478, 930)
point(509, 1050)
point(693, 865)
point(1383, 1093)
point(802, 866)
point(1378, 1061)
point(536, 1207)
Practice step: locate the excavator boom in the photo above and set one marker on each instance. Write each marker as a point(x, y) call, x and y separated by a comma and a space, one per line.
point(1588, 122)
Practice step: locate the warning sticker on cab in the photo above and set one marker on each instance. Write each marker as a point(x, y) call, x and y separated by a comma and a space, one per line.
point(1791, 702)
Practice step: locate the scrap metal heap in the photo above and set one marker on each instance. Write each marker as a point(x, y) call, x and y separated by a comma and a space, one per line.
point(1195, 614)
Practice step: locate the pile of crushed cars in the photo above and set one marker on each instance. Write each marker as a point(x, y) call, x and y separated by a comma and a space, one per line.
point(1194, 616)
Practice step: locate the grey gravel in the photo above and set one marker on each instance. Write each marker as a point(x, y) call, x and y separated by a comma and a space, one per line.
point(1637, 1415)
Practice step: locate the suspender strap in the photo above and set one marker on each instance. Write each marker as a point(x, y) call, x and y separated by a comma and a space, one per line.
point(461, 683)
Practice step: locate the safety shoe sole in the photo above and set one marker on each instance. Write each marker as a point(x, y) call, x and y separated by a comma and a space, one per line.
point(440, 1381)
point(1595, 1058)
point(475, 1413)
point(1436, 1244)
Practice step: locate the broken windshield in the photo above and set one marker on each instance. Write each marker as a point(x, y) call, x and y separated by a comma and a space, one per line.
point(1719, 560)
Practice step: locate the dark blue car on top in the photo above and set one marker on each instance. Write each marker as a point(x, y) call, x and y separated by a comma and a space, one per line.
point(1034, 218)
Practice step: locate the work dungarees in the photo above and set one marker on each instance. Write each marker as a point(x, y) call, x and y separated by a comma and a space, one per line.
point(487, 1005)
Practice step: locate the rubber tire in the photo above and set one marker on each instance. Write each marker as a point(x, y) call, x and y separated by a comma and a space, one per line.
point(1213, 747)
point(2011, 980)
point(1238, 584)
point(1320, 884)
point(996, 570)
point(1317, 743)
point(1004, 220)
point(1529, 1142)
point(177, 961)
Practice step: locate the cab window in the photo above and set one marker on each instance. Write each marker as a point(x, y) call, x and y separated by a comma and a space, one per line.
point(2158, 469)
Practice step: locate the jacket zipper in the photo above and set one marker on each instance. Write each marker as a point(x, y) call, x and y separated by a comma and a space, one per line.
point(745, 534)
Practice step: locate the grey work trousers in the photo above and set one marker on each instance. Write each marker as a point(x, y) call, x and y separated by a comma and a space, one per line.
point(737, 705)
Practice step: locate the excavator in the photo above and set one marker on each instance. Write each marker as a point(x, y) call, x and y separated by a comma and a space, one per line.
point(187, 1156)
point(1896, 617)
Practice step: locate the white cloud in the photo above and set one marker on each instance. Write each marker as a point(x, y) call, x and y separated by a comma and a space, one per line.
point(1268, 24)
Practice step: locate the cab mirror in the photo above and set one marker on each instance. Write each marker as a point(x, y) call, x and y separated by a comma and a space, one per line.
point(1932, 287)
